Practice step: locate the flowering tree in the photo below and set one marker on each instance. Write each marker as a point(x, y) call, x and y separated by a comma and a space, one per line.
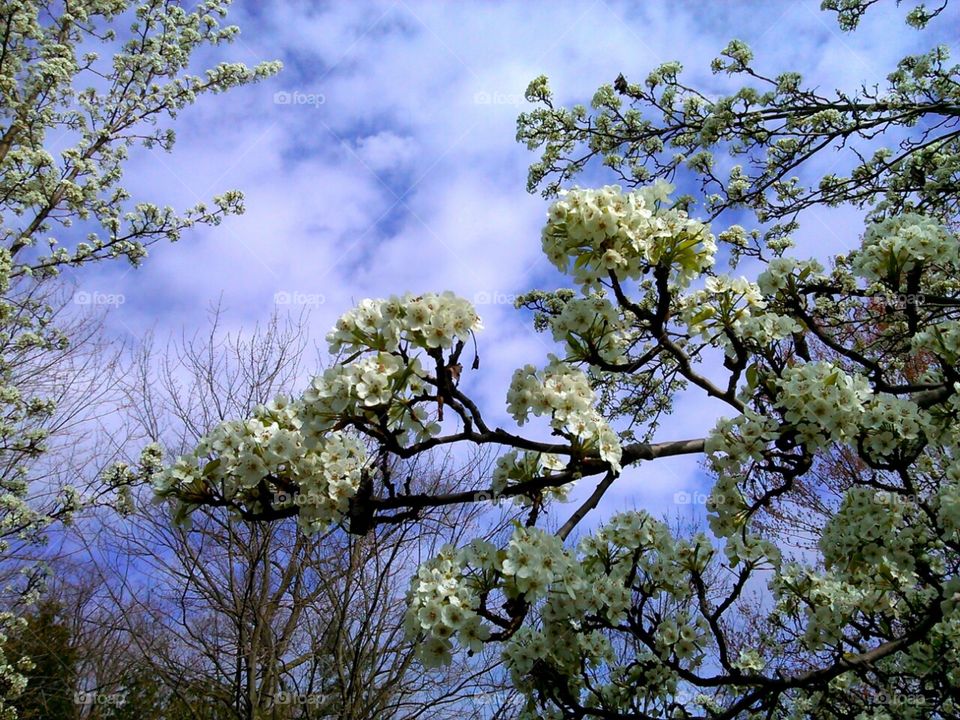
point(633, 620)
point(67, 208)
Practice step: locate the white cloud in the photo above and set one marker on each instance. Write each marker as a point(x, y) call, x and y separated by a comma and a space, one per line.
point(386, 151)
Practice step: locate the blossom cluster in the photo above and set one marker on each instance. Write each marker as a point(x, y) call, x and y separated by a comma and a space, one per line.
point(889, 422)
point(564, 393)
point(780, 272)
point(384, 371)
point(730, 447)
point(515, 467)
point(441, 604)
point(871, 551)
point(365, 387)
point(729, 309)
point(590, 326)
point(942, 339)
point(822, 401)
point(822, 404)
point(318, 474)
point(627, 233)
point(892, 248)
point(429, 320)
point(445, 594)
point(720, 307)
point(532, 561)
point(874, 536)
point(761, 331)
point(948, 503)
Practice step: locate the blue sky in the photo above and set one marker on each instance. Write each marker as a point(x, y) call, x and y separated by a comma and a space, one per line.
point(382, 159)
